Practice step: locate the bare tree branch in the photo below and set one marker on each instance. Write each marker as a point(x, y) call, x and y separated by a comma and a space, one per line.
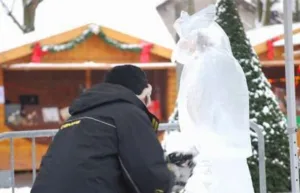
point(297, 15)
point(29, 14)
point(264, 11)
point(191, 6)
point(9, 13)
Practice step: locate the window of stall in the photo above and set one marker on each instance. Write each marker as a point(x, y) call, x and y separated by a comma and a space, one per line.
point(39, 99)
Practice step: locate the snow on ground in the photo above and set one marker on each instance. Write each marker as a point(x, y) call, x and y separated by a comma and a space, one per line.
point(136, 18)
point(23, 183)
point(17, 190)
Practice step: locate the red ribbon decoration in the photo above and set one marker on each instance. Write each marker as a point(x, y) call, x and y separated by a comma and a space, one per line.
point(154, 108)
point(270, 47)
point(145, 53)
point(298, 70)
point(297, 74)
point(37, 53)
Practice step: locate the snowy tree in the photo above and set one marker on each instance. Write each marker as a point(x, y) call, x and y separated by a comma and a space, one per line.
point(264, 109)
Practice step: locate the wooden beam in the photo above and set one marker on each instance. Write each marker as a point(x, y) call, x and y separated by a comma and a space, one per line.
point(295, 53)
point(277, 63)
point(84, 66)
point(2, 105)
point(171, 95)
point(88, 79)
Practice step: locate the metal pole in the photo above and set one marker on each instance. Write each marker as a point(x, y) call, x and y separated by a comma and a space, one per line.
point(33, 156)
point(290, 93)
point(261, 158)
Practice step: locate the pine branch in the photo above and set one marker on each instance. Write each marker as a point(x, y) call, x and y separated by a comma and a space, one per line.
point(9, 13)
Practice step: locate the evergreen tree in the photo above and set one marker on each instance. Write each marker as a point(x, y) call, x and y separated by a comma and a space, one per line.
point(264, 108)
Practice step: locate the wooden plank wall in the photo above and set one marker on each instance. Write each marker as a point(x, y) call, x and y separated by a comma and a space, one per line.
point(56, 88)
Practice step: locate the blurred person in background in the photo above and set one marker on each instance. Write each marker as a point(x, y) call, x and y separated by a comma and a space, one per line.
point(109, 144)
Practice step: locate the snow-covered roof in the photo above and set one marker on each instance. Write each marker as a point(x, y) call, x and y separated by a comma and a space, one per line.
point(86, 65)
point(278, 6)
point(296, 41)
point(133, 17)
point(261, 35)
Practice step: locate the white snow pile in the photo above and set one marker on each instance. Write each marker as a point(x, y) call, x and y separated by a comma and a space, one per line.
point(17, 190)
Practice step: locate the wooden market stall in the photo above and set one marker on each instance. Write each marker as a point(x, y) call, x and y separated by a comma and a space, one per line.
point(39, 80)
point(269, 45)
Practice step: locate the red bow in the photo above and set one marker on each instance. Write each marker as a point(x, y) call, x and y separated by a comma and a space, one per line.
point(37, 53)
point(145, 53)
point(270, 47)
point(154, 108)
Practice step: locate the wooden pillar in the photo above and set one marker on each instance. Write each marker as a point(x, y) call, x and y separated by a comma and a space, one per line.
point(171, 90)
point(2, 94)
point(88, 79)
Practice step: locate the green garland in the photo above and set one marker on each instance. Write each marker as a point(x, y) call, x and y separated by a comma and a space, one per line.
point(92, 30)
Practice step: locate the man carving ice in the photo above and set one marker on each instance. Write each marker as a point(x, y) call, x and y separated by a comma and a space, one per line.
point(108, 145)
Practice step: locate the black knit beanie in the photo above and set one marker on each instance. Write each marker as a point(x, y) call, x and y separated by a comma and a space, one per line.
point(129, 76)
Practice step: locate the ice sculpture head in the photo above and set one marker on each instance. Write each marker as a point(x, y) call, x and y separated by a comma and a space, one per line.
point(197, 34)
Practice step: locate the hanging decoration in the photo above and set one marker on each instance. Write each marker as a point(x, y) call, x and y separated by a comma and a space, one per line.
point(145, 53)
point(154, 108)
point(297, 81)
point(298, 70)
point(270, 48)
point(37, 53)
point(93, 29)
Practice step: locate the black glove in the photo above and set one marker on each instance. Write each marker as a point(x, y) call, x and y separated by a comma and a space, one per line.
point(181, 159)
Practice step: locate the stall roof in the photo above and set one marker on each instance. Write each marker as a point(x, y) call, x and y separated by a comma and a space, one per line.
point(259, 36)
point(85, 66)
point(296, 41)
point(133, 17)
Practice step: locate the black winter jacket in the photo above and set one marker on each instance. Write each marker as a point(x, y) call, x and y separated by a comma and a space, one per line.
point(108, 145)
